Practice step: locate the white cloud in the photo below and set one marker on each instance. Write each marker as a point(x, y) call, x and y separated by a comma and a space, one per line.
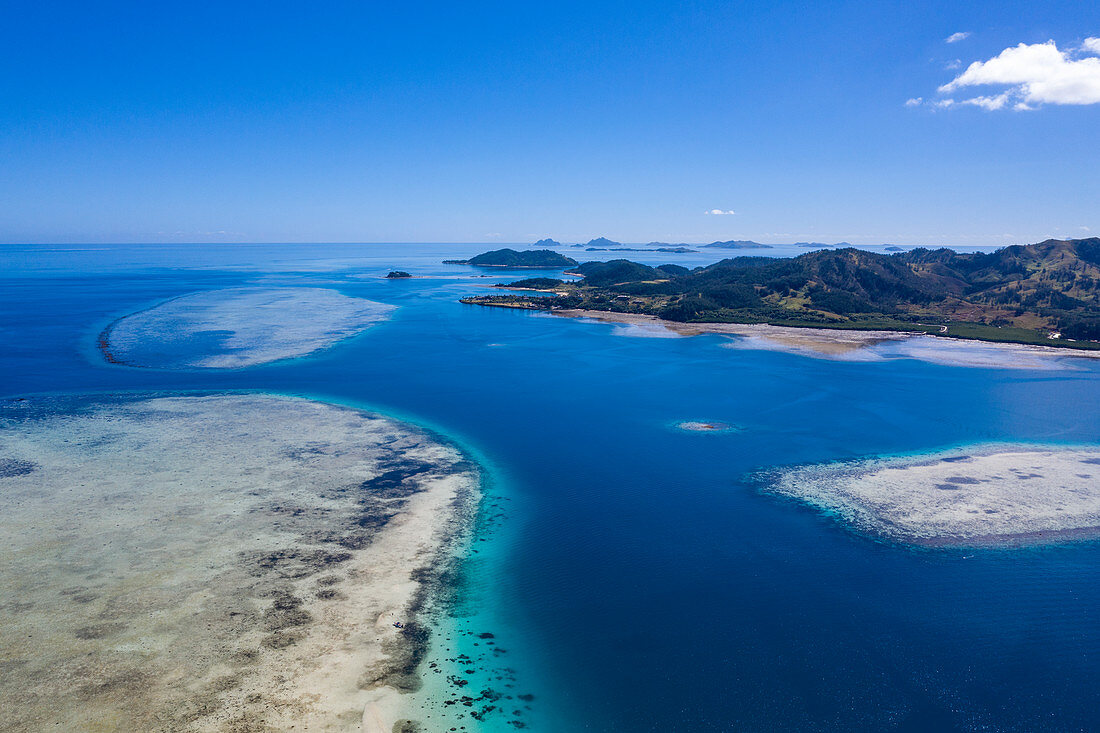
point(720, 212)
point(1084, 229)
point(952, 65)
point(991, 103)
point(1091, 45)
point(914, 101)
point(956, 37)
point(1036, 74)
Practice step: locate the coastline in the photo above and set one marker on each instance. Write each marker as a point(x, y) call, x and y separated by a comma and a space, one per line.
point(296, 612)
point(819, 342)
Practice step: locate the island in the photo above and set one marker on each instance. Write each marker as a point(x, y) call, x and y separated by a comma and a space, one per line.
point(397, 274)
point(544, 284)
point(738, 244)
point(531, 258)
point(1046, 293)
point(667, 248)
point(602, 242)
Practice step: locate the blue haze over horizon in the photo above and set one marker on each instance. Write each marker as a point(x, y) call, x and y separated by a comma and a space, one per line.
point(353, 122)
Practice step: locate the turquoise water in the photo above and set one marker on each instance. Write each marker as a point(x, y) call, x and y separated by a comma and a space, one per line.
point(636, 578)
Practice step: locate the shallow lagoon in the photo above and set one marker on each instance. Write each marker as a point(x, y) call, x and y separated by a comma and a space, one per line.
point(233, 328)
point(634, 576)
point(216, 561)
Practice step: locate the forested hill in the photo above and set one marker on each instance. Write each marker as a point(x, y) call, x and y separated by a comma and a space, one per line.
point(1026, 291)
point(532, 258)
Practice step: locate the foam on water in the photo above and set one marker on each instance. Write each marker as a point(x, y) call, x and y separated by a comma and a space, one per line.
point(238, 327)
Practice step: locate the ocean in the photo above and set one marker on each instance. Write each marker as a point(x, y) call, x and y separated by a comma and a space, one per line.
point(635, 574)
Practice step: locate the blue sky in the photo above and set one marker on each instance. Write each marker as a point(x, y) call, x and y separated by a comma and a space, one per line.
point(508, 122)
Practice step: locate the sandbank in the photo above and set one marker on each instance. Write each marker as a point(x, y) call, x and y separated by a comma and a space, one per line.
point(218, 562)
point(707, 426)
point(983, 495)
point(854, 345)
point(237, 327)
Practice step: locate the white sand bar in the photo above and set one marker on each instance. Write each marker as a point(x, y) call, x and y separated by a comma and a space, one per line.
point(238, 327)
point(983, 495)
point(851, 344)
point(218, 562)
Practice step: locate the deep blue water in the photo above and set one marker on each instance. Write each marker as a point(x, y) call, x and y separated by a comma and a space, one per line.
point(640, 580)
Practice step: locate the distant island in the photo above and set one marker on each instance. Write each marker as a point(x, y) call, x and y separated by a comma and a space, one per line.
point(602, 242)
point(673, 250)
point(738, 244)
point(1046, 293)
point(397, 274)
point(513, 258)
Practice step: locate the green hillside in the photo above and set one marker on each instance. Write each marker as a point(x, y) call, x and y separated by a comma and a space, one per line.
point(1020, 293)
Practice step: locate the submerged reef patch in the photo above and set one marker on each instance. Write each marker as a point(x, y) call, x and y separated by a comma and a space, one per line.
point(706, 426)
point(237, 327)
point(218, 562)
point(10, 467)
point(986, 495)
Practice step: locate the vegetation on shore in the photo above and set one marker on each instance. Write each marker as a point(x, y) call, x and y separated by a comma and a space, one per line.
point(1046, 293)
point(534, 283)
point(513, 258)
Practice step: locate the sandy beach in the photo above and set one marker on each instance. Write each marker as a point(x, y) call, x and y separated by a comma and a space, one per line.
point(854, 345)
point(219, 562)
point(823, 341)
